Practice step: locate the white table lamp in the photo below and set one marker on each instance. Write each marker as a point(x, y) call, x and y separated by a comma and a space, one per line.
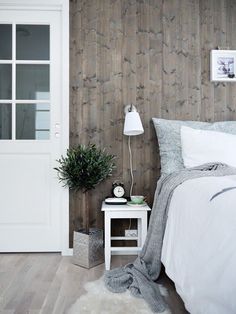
point(132, 127)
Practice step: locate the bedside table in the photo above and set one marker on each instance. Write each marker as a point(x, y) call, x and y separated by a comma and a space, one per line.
point(119, 212)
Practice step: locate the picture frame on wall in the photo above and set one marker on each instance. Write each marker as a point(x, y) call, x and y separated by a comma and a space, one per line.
point(223, 66)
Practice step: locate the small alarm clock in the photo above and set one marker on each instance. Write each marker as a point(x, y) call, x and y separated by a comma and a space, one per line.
point(118, 189)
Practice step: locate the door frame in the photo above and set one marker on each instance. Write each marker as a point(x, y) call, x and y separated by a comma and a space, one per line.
point(63, 7)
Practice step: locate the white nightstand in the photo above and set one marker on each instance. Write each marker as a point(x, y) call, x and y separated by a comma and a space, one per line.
point(119, 212)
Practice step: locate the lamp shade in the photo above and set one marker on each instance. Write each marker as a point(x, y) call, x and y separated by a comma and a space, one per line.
point(133, 125)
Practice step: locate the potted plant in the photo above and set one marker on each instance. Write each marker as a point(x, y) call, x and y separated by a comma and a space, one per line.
point(82, 169)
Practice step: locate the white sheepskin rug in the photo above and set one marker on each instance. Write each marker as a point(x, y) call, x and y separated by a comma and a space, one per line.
point(98, 300)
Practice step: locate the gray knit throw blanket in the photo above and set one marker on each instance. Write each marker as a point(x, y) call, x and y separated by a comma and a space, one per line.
point(140, 275)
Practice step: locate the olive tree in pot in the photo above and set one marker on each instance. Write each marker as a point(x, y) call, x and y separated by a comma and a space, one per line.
point(82, 169)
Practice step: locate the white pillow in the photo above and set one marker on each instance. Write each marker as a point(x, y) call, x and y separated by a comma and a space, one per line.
point(201, 146)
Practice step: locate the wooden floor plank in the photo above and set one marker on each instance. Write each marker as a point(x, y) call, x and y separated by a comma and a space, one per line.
point(47, 283)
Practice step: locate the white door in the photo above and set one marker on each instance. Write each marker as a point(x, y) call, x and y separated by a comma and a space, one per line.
point(30, 130)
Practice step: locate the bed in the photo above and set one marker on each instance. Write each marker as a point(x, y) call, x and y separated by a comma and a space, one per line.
point(199, 251)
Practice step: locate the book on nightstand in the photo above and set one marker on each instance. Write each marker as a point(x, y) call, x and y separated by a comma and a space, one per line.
point(115, 201)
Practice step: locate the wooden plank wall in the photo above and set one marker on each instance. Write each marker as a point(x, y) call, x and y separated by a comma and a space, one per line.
point(154, 54)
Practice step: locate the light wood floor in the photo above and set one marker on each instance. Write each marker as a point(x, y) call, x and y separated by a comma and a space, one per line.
point(50, 284)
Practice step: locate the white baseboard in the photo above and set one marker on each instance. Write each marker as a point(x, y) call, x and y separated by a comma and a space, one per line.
point(67, 252)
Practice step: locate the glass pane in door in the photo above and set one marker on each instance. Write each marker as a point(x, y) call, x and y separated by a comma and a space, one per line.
point(32, 42)
point(5, 81)
point(32, 81)
point(32, 121)
point(5, 41)
point(5, 121)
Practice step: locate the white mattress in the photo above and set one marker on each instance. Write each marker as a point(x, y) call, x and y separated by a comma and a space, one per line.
point(199, 249)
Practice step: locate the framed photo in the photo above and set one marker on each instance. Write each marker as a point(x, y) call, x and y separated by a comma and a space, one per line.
point(223, 66)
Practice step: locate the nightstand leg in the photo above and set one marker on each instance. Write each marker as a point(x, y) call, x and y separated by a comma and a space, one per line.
point(144, 228)
point(139, 232)
point(107, 242)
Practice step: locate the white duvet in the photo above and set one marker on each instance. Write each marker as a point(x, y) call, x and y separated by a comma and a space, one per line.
point(199, 249)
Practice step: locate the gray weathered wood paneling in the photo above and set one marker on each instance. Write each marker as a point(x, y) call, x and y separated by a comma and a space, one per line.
point(155, 54)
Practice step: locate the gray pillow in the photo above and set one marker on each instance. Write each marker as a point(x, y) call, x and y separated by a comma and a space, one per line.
point(168, 134)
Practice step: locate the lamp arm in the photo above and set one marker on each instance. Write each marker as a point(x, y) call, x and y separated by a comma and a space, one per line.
point(131, 167)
